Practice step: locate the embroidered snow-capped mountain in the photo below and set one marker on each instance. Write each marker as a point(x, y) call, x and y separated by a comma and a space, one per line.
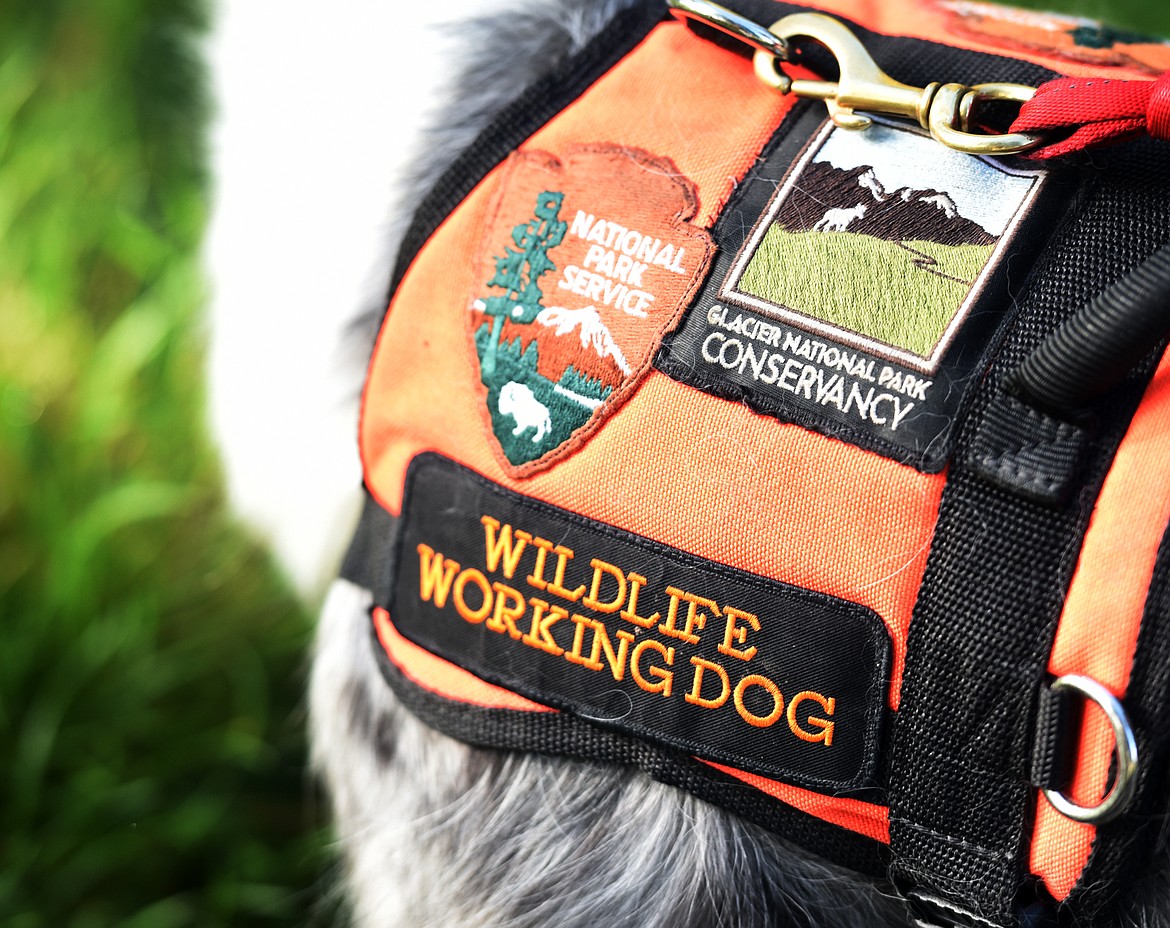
point(941, 201)
point(854, 200)
point(590, 329)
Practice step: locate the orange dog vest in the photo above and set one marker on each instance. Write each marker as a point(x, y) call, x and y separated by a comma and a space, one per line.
point(695, 438)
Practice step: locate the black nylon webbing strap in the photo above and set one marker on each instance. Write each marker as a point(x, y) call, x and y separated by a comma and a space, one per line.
point(960, 803)
point(368, 560)
point(1052, 747)
point(1027, 451)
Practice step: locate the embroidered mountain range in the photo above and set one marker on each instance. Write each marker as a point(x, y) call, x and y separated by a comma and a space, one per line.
point(592, 331)
point(833, 199)
point(882, 237)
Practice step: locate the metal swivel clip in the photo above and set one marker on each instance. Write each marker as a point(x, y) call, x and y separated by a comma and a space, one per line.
point(944, 110)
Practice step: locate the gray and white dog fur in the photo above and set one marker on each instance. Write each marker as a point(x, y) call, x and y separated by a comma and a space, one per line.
point(434, 832)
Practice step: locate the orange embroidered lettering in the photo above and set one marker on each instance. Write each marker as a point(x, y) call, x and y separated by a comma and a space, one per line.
point(759, 721)
point(637, 582)
point(694, 617)
point(734, 633)
point(499, 545)
point(435, 575)
point(593, 600)
point(574, 656)
point(825, 735)
point(557, 587)
point(665, 677)
point(539, 635)
point(630, 613)
point(617, 662)
point(601, 642)
point(695, 696)
point(543, 547)
point(505, 614)
point(473, 616)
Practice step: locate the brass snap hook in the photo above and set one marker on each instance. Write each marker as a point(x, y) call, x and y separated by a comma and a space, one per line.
point(944, 110)
point(862, 84)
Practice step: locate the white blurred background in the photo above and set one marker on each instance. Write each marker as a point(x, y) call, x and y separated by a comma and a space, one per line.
point(318, 110)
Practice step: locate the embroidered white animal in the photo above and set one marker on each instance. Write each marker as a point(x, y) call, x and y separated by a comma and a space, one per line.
point(519, 402)
point(838, 218)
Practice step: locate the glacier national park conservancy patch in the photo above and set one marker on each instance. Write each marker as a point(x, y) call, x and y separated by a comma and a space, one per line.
point(857, 290)
point(585, 265)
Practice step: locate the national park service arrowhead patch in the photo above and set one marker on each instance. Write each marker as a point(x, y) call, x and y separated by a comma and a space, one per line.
point(585, 265)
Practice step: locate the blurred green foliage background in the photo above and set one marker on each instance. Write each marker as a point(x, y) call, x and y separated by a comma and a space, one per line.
point(1142, 16)
point(1149, 17)
point(152, 756)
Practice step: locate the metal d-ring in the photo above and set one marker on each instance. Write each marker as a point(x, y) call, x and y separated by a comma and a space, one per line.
point(736, 26)
point(1125, 753)
point(950, 119)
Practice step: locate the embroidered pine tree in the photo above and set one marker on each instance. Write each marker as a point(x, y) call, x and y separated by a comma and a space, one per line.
point(518, 271)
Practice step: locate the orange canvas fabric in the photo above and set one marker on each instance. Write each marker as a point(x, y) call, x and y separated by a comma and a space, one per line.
point(1099, 625)
point(689, 470)
point(674, 464)
point(712, 477)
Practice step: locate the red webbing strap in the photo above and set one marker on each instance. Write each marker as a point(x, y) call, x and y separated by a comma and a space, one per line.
point(1098, 111)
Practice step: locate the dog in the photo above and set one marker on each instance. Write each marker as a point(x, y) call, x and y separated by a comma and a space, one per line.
point(436, 832)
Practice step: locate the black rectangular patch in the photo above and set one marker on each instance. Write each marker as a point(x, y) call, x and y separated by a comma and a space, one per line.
point(649, 640)
point(859, 287)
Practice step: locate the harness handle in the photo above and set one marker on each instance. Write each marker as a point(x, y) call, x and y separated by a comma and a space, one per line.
point(1087, 113)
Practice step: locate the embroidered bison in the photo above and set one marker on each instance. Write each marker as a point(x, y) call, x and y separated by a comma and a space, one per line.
point(519, 402)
